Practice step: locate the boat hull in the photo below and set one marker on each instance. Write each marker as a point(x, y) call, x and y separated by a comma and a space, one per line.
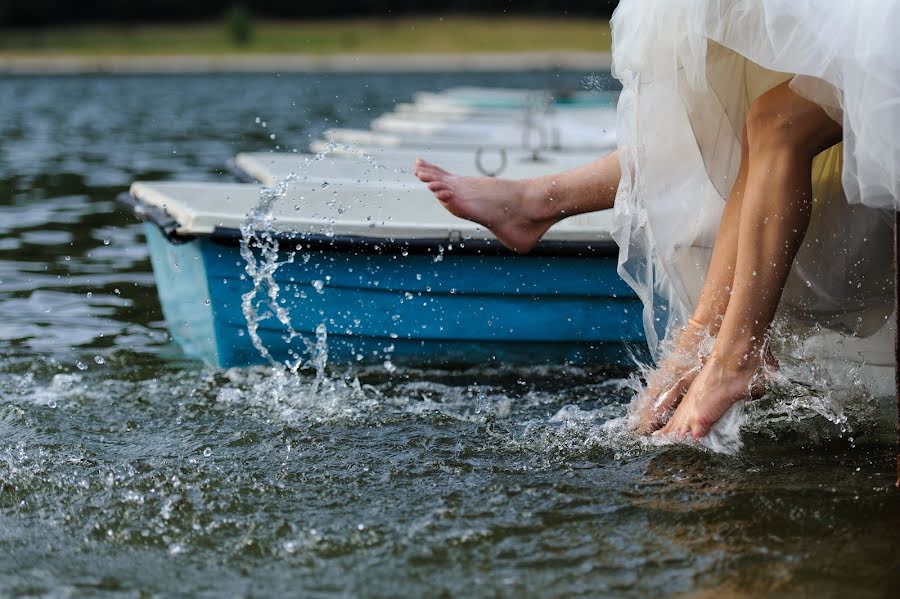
point(419, 307)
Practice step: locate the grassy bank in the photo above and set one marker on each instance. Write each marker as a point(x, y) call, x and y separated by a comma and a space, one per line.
point(406, 35)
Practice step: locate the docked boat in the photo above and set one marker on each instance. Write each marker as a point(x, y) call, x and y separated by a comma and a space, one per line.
point(377, 272)
point(470, 160)
point(533, 137)
point(485, 98)
point(447, 122)
point(571, 129)
point(271, 168)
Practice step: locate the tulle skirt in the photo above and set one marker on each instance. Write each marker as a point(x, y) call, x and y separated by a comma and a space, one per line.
point(690, 70)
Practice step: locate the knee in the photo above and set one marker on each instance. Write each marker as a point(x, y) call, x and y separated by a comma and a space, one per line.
point(771, 129)
point(780, 121)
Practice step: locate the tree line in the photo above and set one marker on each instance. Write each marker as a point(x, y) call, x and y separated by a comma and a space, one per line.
point(55, 12)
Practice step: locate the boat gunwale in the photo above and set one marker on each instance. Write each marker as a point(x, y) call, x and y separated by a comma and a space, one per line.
point(357, 244)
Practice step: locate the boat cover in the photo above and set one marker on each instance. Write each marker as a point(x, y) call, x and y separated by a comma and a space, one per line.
point(397, 165)
point(342, 208)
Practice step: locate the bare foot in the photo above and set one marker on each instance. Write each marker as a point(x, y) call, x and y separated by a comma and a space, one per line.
point(719, 385)
point(668, 383)
point(513, 210)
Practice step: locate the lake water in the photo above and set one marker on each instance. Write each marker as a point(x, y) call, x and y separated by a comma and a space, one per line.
point(127, 470)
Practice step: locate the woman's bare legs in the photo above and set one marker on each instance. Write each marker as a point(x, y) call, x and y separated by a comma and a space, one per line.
point(670, 381)
point(784, 133)
point(519, 212)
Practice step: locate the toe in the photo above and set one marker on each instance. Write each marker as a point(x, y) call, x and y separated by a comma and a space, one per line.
point(676, 428)
point(437, 169)
point(666, 402)
point(698, 430)
point(444, 195)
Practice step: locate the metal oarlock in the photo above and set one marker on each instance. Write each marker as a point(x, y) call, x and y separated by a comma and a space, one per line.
point(489, 172)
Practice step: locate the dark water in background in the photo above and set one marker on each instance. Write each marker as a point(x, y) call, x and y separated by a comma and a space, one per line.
point(126, 470)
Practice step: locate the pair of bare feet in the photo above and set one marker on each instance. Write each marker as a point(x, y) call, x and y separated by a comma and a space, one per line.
point(692, 387)
point(696, 383)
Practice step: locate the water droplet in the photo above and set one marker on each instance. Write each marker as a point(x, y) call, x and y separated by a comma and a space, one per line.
point(99, 360)
point(81, 365)
point(207, 452)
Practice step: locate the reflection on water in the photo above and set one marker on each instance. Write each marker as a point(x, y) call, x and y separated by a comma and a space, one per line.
point(126, 468)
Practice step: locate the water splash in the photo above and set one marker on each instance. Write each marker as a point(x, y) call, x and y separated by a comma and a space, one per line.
point(261, 250)
point(799, 388)
point(258, 233)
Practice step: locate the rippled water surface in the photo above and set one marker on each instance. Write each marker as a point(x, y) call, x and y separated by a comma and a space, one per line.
point(127, 470)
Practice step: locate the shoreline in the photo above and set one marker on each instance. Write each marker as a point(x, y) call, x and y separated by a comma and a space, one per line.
point(303, 63)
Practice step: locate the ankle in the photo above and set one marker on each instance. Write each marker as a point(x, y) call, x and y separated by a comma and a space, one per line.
point(706, 318)
point(738, 357)
point(538, 195)
point(696, 326)
point(695, 332)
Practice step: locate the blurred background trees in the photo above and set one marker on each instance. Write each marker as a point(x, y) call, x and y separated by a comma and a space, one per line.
point(66, 12)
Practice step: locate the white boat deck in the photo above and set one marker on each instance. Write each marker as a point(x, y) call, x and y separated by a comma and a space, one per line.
point(403, 212)
point(395, 167)
point(576, 131)
point(569, 140)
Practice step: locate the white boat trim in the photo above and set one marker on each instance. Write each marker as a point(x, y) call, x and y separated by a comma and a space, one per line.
point(407, 212)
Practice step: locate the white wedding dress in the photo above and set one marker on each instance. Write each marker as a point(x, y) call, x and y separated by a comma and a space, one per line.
point(690, 70)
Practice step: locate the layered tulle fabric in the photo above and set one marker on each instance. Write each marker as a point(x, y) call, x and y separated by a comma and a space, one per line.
point(690, 70)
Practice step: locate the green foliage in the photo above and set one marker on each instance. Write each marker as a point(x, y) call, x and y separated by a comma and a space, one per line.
point(451, 33)
point(239, 23)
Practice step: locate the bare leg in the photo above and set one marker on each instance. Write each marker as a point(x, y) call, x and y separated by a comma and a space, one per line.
point(785, 132)
point(677, 370)
point(519, 212)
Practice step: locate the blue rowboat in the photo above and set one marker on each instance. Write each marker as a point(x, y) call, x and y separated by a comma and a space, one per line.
point(380, 275)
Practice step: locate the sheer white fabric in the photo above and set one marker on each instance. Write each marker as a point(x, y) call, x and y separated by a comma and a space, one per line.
point(690, 70)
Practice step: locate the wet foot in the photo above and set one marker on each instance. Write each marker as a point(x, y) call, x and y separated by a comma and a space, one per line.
point(717, 387)
point(668, 383)
point(513, 210)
